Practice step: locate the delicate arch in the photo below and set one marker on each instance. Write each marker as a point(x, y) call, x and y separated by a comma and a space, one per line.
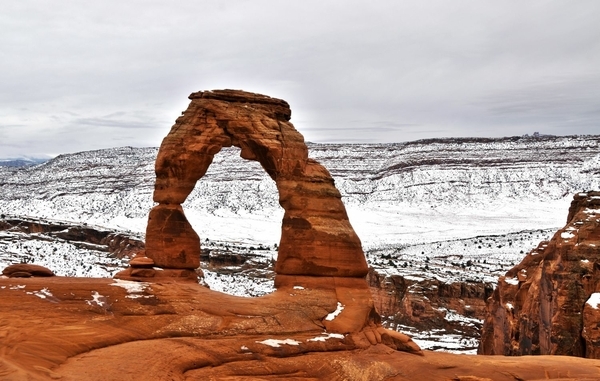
point(316, 238)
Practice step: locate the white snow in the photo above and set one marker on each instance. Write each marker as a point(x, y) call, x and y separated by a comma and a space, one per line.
point(594, 300)
point(130, 286)
point(566, 235)
point(335, 313)
point(513, 281)
point(43, 293)
point(585, 261)
point(298, 288)
point(277, 343)
point(96, 299)
point(509, 306)
point(327, 336)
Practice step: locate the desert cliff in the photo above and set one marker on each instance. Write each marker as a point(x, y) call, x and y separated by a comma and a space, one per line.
point(548, 303)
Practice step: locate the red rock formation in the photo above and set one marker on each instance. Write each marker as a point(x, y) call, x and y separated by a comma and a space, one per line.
point(316, 239)
point(547, 304)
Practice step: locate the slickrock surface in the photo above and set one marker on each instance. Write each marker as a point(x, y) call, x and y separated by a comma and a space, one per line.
point(317, 238)
point(102, 329)
point(549, 303)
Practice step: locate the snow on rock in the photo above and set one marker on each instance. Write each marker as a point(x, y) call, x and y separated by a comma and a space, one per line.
point(594, 300)
point(277, 343)
point(327, 336)
point(513, 281)
point(43, 293)
point(96, 299)
point(335, 313)
point(566, 235)
point(130, 286)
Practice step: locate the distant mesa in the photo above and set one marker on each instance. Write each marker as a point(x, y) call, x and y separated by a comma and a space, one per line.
point(549, 304)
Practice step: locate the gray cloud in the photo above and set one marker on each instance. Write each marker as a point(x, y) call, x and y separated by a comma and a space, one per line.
point(114, 72)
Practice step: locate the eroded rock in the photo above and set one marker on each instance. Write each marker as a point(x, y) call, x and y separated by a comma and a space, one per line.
point(25, 270)
point(316, 239)
point(546, 304)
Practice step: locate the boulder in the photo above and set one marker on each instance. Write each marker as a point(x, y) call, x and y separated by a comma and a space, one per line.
point(21, 269)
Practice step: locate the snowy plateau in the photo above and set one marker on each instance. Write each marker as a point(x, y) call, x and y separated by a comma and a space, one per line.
point(449, 210)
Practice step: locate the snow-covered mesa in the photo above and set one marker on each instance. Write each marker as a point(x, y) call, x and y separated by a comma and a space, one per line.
point(406, 193)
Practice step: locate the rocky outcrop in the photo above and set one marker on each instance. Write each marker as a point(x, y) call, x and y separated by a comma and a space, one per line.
point(316, 238)
point(548, 303)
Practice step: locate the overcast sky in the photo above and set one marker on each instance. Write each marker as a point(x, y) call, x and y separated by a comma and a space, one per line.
point(81, 75)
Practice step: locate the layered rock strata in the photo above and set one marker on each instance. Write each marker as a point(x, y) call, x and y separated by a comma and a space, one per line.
point(549, 303)
point(431, 305)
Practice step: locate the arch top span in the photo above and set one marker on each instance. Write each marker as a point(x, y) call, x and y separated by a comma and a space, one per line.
point(316, 238)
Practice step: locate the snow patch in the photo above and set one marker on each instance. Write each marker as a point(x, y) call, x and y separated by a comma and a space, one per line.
point(43, 293)
point(510, 306)
point(298, 288)
point(327, 336)
point(566, 235)
point(277, 343)
point(130, 286)
point(96, 299)
point(513, 281)
point(594, 300)
point(334, 314)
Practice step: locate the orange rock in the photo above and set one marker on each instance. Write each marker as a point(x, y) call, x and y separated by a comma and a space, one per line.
point(317, 238)
point(140, 261)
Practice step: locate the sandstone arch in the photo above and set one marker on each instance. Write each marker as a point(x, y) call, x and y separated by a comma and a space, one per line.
point(316, 239)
